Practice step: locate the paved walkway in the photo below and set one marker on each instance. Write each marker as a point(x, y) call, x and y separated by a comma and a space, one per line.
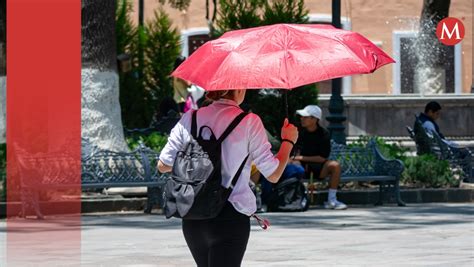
point(417, 235)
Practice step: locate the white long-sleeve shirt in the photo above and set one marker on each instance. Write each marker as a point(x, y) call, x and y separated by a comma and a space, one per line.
point(248, 138)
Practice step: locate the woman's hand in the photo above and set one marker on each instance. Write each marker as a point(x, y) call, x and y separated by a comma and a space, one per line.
point(289, 131)
point(163, 168)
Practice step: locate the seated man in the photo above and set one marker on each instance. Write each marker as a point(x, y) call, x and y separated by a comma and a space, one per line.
point(314, 145)
point(428, 121)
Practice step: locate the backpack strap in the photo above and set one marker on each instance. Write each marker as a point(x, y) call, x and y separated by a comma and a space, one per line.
point(194, 125)
point(239, 171)
point(227, 131)
point(232, 126)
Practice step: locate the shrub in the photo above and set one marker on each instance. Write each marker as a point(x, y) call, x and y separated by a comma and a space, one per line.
point(125, 30)
point(237, 14)
point(285, 11)
point(390, 151)
point(154, 141)
point(162, 49)
point(424, 170)
point(178, 4)
point(427, 170)
point(153, 49)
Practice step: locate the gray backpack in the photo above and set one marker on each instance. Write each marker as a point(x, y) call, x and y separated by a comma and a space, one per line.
point(194, 190)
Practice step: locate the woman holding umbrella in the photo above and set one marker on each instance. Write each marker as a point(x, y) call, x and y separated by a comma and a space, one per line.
point(283, 56)
point(222, 241)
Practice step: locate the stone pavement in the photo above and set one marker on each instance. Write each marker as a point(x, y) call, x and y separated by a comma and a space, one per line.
point(418, 235)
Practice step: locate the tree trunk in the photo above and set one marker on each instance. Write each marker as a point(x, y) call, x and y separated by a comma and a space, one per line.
point(101, 116)
point(430, 72)
point(3, 69)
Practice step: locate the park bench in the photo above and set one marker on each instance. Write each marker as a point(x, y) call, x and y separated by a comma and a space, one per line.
point(431, 143)
point(99, 169)
point(367, 164)
point(162, 126)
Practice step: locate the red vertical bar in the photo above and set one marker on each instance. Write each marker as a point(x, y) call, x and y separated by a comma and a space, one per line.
point(43, 132)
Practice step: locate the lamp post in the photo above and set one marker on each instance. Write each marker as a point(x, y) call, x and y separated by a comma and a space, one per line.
point(141, 6)
point(140, 12)
point(336, 103)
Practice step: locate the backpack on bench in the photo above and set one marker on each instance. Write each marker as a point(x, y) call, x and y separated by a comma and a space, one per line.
point(194, 190)
point(288, 195)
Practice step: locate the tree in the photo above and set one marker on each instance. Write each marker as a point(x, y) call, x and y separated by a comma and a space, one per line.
point(285, 11)
point(101, 117)
point(152, 49)
point(178, 4)
point(430, 52)
point(237, 14)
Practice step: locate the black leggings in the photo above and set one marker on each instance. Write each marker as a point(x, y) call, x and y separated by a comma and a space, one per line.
point(220, 241)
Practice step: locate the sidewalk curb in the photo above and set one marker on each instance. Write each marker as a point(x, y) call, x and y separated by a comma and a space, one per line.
point(426, 195)
point(366, 197)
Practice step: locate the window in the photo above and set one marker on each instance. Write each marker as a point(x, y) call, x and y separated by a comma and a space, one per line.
point(192, 39)
point(404, 75)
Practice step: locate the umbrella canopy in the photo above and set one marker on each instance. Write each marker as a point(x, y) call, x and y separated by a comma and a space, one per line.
point(280, 56)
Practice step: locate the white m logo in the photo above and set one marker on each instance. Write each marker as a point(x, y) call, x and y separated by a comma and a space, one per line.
point(450, 34)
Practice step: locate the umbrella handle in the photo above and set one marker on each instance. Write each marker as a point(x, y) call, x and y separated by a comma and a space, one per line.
point(285, 96)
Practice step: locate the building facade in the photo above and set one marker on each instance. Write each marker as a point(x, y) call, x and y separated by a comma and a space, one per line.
point(391, 25)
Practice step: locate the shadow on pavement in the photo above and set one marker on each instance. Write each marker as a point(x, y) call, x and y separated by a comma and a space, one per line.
point(355, 218)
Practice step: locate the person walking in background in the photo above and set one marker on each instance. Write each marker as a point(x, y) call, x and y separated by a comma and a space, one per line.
point(222, 240)
point(180, 86)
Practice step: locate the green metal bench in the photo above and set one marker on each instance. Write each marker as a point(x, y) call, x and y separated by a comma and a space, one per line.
point(431, 143)
point(99, 169)
point(368, 164)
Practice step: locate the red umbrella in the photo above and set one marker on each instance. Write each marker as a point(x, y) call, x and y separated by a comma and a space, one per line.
point(280, 56)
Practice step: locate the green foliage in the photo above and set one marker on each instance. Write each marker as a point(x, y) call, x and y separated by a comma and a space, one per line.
point(285, 11)
point(178, 4)
point(136, 101)
point(124, 28)
point(154, 141)
point(242, 14)
point(237, 14)
point(163, 44)
point(390, 151)
point(153, 49)
point(269, 105)
point(426, 170)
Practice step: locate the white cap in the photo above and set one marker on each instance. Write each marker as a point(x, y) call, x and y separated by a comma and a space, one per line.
point(310, 110)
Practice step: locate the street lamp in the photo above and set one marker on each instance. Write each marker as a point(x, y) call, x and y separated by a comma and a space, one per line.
point(140, 12)
point(141, 61)
point(336, 103)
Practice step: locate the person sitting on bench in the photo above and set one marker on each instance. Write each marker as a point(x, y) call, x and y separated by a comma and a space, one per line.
point(314, 145)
